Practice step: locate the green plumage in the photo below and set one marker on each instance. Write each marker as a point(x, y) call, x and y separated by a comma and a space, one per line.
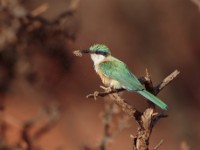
point(116, 70)
point(100, 47)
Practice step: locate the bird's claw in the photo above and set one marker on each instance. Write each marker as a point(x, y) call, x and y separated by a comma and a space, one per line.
point(107, 89)
point(96, 94)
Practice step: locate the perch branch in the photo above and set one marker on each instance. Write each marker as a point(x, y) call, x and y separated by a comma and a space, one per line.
point(143, 80)
point(103, 94)
point(147, 119)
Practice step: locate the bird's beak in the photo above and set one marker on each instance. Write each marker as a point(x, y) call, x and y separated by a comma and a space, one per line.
point(85, 51)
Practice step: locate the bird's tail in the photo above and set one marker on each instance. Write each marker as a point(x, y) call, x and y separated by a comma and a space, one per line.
point(153, 99)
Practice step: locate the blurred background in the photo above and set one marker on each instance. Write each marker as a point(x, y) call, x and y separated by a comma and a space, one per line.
point(43, 86)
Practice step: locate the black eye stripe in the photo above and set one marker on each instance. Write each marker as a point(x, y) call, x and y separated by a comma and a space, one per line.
point(101, 53)
point(95, 52)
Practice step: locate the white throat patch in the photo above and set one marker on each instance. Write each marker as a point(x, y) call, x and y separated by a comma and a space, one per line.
point(97, 58)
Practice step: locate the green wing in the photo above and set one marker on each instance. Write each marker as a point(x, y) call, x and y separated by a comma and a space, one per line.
point(117, 70)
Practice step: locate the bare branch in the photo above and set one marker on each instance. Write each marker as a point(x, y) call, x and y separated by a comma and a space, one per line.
point(39, 10)
point(51, 113)
point(147, 119)
point(166, 81)
point(103, 94)
point(158, 145)
point(70, 11)
point(144, 80)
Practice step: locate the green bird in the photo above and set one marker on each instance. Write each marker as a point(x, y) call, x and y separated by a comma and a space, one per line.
point(116, 75)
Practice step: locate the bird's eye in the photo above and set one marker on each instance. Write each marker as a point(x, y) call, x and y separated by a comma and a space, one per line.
point(101, 53)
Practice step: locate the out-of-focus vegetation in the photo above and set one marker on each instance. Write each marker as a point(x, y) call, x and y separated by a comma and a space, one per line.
point(38, 70)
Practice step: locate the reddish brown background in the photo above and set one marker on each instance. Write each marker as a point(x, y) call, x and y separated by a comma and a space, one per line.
point(158, 35)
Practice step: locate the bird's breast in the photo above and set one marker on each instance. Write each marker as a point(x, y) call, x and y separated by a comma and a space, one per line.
point(107, 81)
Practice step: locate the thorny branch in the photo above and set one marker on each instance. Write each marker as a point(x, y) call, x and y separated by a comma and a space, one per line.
point(147, 119)
point(51, 113)
point(144, 81)
point(24, 33)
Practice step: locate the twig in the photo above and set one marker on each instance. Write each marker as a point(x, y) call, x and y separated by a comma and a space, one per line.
point(166, 81)
point(147, 119)
point(70, 11)
point(25, 135)
point(143, 80)
point(39, 10)
point(28, 141)
point(103, 94)
point(158, 145)
point(52, 113)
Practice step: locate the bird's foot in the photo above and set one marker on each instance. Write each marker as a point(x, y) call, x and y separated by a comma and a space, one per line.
point(107, 89)
point(94, 95)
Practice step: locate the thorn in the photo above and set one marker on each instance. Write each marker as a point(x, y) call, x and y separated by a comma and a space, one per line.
point(147, 76)
point(158, 145)
point(147, 73)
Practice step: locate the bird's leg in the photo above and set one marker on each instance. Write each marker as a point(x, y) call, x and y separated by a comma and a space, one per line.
point(107, 89)
point(96, 93)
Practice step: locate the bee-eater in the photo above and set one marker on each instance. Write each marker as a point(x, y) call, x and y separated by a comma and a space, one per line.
point(116, 75)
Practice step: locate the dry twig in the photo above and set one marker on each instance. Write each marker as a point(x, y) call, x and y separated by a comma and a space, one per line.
point(51, 113)
point(147, 119)
point(158, 145)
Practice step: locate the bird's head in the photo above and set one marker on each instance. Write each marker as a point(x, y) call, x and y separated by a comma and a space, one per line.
point(98, 52)
point(100, 49)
